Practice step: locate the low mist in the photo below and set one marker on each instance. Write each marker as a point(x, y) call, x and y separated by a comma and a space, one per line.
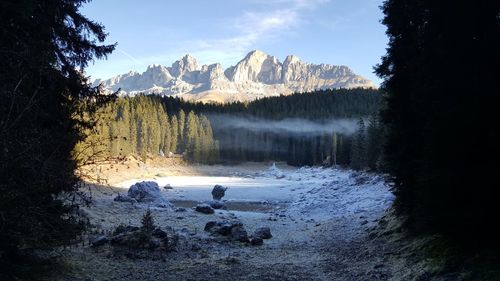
point(288, 126)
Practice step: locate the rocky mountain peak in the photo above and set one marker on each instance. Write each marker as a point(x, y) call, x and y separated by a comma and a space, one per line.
point(211, 72)
point(258, 66)
point(186, 64)
point(255, 76)
point(290, 59)
point(156, 75)
point(256, 55)
point(188, 59)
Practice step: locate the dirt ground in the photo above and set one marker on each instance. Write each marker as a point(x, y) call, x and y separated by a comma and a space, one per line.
point(303, 247)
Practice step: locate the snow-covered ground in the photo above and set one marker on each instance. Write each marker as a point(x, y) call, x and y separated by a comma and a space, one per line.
point(319, 219)
point(323, 193)
point(310, 193)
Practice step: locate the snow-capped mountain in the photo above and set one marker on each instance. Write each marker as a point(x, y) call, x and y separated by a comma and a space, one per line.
point(257, 75)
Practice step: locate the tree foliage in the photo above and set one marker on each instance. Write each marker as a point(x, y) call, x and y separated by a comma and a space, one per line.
point(442, 59)
point(321, 104)
point(358, 147)
point(44, 45)
point(239, 143)
point(147, 221)
point(141, 126)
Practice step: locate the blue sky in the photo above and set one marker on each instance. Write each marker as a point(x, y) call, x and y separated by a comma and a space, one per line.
point(340, 32)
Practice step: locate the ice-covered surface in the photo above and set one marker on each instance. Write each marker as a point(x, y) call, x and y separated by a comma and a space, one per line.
point(198, 188)
point(311, 192)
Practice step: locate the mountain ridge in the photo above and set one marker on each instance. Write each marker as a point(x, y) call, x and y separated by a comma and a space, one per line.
point(256, 76)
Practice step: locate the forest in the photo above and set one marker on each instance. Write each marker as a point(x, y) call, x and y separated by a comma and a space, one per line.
point(141, 126)
point(229, 133)
point(317, 128)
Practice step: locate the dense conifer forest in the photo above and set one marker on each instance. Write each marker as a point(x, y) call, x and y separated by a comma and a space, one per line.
point(237, 132)
point(278, 128)
point(322, 104)
point(141, 126)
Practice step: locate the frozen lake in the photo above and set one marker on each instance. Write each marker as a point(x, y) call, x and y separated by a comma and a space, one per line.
point(320, 193)
point(198, 188)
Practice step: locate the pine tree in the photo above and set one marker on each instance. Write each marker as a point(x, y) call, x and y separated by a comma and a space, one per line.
point(46, 107)
point(167, 135)
point(443, 183)
point(358, 147)
point(191, 135)
point(174, 125)
point(375, 140)
point(147, 221)
point(334, 150)
point(182, 124)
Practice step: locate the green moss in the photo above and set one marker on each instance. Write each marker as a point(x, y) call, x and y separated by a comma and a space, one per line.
point(446, 256)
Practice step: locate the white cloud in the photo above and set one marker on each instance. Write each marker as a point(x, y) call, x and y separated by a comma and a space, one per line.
point(255, 27)
point(247, 31)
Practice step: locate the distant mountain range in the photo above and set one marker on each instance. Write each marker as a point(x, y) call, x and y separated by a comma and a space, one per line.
point(256, 76)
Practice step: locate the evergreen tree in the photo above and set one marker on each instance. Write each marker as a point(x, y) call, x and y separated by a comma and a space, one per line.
point(46, 106)
point(358, 148)
point(375, 141)
point(334, 149)
point(147, 221)
point(182, 123)
point(191, 136)
point(174, 125)
point(443, 182)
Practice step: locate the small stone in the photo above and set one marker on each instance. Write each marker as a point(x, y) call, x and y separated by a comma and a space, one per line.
point(204, 208)
point(239, 233)
point(210, 225)
point(99, 241)
point(225, 229)
point(263, 233)
point(124, 228)
point(124, 198)
point(218, 192)
point(216, 204)
point(130, 239)
point(159, 233)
